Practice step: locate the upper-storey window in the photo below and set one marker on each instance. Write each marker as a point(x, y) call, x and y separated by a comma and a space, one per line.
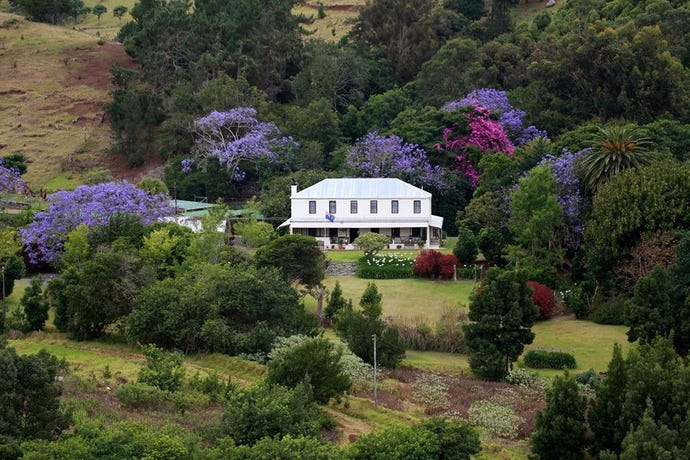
point(394, 206)
point(331, 207)
point(373, 206)
point(417, 206)
point(353, 207)
point(312, 207)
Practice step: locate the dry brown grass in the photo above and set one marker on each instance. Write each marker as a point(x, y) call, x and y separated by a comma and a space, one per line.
point(54, 83)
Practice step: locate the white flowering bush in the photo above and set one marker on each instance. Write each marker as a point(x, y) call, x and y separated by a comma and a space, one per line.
point(499, 420)
point(432, 391)
point(385, 266)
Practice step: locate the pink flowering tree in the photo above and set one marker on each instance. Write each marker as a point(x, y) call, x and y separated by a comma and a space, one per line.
point(92, 205)
point(236, 138)
point(482, 133)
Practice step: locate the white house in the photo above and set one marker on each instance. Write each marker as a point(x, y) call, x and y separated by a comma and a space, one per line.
point(336, 211)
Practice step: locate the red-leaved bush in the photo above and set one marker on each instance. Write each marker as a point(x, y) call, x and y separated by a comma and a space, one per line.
point(433, 264)
point(543, 298)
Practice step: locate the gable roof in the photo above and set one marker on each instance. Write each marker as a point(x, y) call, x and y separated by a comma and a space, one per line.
point(362, 188)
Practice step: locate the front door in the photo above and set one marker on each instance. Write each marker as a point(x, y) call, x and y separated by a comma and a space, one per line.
point(354, 233)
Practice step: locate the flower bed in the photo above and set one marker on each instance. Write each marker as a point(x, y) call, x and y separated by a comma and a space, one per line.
point(385, 266)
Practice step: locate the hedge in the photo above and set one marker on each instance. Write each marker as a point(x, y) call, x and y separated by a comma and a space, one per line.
point(541, 359)
point(384, 267)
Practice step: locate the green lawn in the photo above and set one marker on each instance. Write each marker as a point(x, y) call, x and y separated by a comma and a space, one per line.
point(590, 343)
point(407, 298)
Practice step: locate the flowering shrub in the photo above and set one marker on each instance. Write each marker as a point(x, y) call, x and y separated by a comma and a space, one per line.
point(237, 136)
point(485, 134)
point(389, 156)
point(432, 391)
point(10, 180)
point(499, 420)
point(384, 266)
point(433, 264)
point(91, 205)
point(510, 118)
point(543, 298)
point(565, 171)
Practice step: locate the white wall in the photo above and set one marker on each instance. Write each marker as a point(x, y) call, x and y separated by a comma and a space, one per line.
point(300, 209)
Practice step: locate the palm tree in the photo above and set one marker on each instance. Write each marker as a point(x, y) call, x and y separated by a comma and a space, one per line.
point(614, 149)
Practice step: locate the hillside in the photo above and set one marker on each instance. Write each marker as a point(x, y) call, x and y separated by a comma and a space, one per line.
point(55, 83)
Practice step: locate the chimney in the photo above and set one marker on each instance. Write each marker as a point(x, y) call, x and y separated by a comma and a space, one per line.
point(293, 188)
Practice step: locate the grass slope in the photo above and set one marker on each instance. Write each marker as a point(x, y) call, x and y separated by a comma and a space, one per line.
point(54, 83)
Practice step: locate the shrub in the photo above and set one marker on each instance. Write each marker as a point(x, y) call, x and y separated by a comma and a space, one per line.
point(316, 359)
point(212, 386)
point(371, 242)
point(253, 233)
point(590, 377)
point(163, 369)
point(542, 359)
point(433, 264)
point(391, 266)
point(576, 303)
point(336, 302)
point(543, 298)
point(498, 419)
point(466, 246)
point(270, 411)
point(141, 395)
point(611, 311)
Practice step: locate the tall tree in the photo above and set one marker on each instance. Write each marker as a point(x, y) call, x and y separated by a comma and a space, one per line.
point(560, 428)
point(502, 314)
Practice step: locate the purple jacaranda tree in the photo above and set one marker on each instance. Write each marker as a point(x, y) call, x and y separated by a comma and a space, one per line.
point(565, 170)
point(91, 205)
point(508, 116)
point(237, 137)
point(389, 156)
point(10, 182)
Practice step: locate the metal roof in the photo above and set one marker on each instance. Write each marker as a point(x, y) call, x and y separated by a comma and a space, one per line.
point(362, 188)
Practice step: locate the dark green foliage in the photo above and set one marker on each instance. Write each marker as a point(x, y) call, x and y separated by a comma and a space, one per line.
point(163, 369)
point(653, 312)
point(610, 311)
point(576, 302)
point(15, 161)
point(14, 270)
point(315, 360)
point(541, 359)
point(491, 243)
point(430, 440)
point(651, 373)
point(560, 428)
point(604, 415)
point(100, 292)
point(336, 302)
point(238, 308)
point(502, 314)
point(466, 247)
point(358, 327)
point(471, 9)
point(654, 440)
point(296, 256)
point(133, 112)
point(270, 411)
point(35, 305)
point(29, 397)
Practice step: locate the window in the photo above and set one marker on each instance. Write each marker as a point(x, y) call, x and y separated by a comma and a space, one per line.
point(331, 207)
point(417, 205)
point(312, 207)
point(353, 207)
point(373, 206)
point(394, 206)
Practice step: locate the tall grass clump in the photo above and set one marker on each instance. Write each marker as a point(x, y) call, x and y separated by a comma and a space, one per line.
point(445, 335)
